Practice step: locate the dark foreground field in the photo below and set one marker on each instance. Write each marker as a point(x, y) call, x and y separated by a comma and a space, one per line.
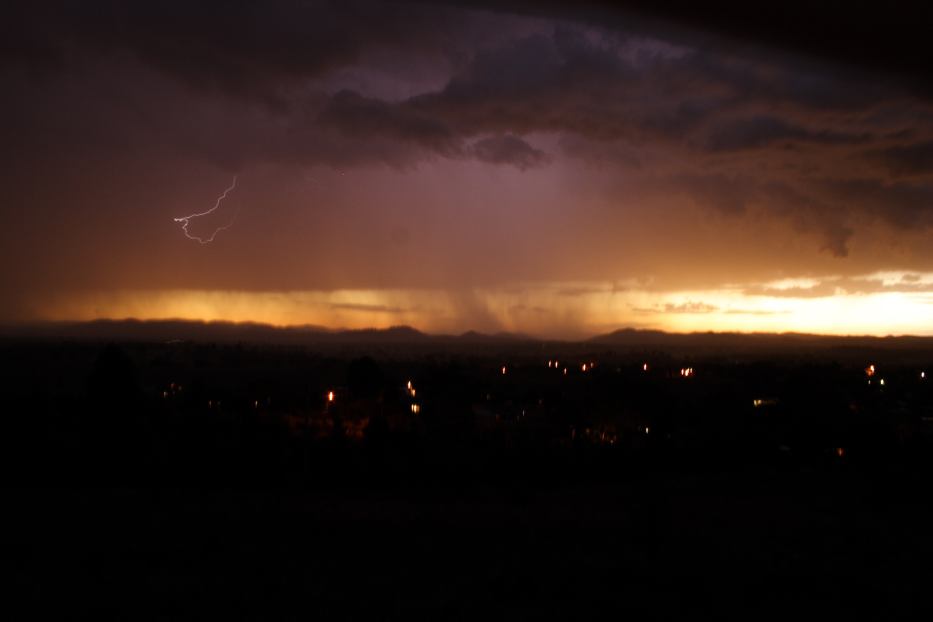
point(767, 546)
point(166, 481)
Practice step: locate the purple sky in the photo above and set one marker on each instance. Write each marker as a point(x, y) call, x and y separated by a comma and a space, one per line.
point(453, 169)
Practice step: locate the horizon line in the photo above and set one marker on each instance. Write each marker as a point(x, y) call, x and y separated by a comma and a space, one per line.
point(26, 324)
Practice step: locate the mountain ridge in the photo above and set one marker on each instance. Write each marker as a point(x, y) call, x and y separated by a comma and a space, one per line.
point(131, 329)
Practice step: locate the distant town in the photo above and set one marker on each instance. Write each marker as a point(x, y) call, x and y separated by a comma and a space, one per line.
point(412, 405)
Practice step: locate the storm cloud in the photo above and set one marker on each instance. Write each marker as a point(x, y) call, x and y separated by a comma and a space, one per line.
point(535, 146)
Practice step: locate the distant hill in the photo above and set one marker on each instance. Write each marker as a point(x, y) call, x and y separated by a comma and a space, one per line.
point(772, 342)
point(223, 332)
point(230, 332)
point(472, 336)
point(624, 339)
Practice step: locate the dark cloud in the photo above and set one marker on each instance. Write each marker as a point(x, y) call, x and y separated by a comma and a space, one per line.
point(508, 149)
point(903, 204)
point(763, 131)
point(888, 41)
point(727, 194)
point(248, 48)
point(365, 117)
point(907, 160)
point(638, 131)
point(611, 97)
point(555, 82)
point(836, 238)
point(611, 85)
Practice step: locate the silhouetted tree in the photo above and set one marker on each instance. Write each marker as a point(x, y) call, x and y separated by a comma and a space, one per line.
point(365, 378)
point(114, 425)
point(112, 384)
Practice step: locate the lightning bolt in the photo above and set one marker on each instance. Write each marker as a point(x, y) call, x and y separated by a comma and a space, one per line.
point(186, 220)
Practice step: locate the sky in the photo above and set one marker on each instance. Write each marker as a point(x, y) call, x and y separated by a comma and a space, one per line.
point(453, 167)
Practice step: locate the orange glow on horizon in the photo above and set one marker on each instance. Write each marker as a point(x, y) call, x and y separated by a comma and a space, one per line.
point(535, 309)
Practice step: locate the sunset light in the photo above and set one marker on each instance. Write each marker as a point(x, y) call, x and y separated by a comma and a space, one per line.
point(575, 310)
point(746, 308)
